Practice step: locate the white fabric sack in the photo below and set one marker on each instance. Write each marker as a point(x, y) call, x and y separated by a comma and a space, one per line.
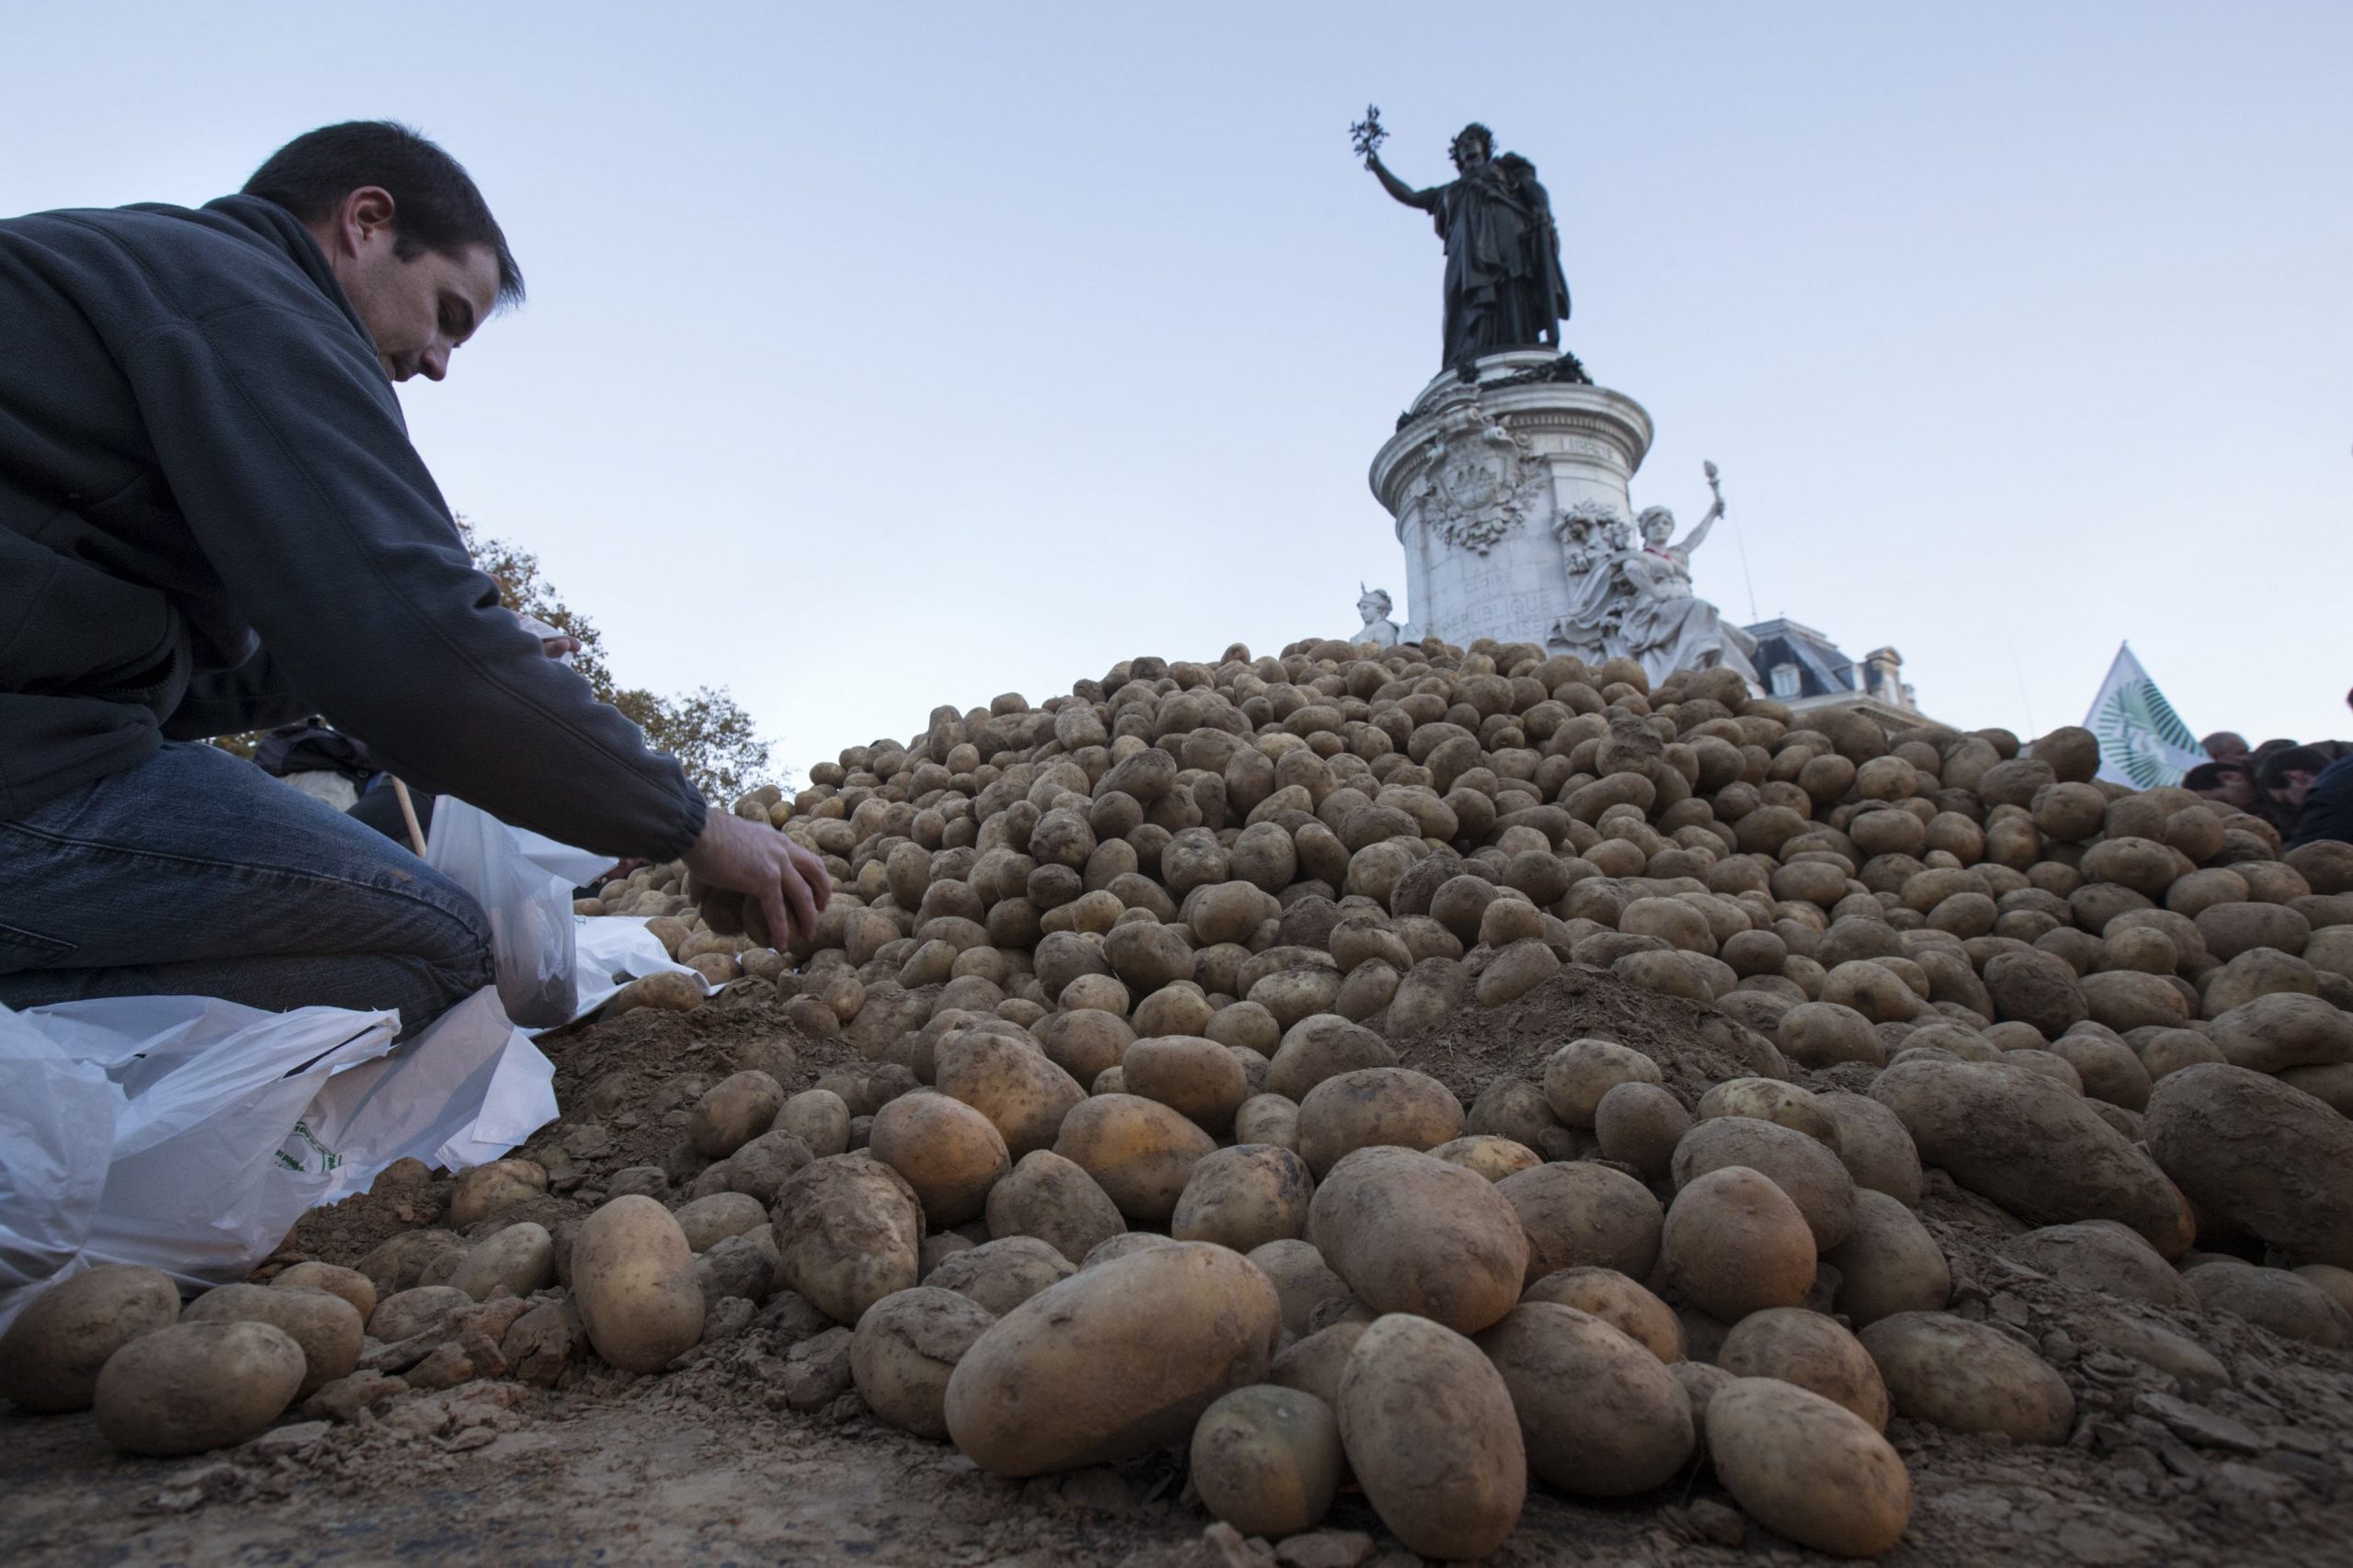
point(529, 908)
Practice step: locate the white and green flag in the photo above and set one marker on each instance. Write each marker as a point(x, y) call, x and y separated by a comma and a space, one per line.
point(2142, 741)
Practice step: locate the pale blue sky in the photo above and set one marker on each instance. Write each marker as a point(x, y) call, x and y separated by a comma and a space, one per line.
point(879, 359)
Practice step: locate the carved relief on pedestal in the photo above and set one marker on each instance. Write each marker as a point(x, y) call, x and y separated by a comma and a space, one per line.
point(1480, 479)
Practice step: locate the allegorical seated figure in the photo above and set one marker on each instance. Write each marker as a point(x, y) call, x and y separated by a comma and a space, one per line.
point(1378, 629)
point(1667, 627)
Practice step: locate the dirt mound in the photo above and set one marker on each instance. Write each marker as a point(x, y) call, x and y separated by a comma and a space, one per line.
point(1694, 1045)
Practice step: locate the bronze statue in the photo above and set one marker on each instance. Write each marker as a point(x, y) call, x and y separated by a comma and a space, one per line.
point(1504, 285)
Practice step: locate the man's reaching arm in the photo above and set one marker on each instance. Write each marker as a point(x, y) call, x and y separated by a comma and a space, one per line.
point(283, 445)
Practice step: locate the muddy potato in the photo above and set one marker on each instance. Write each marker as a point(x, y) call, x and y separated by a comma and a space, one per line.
point(759, 1168)
point(1313, 1364)
point(950, 1153)
point(1303, 1282)
point(1734, 1243)
point(1118, 1360)
point(1599, 1414)
point(1244, 1198)
point(2032, 1147)
point(1140, 1151)
point(1824, 1034)
point(1580, 1073)
point(1968, 1377)
point(1490, 1156)
point(1322, 1047)
point(1084, 1041)
point(1889, 1263)
point(2100, 1254)
point(820, 1119)
point(405, 1314)
point(1802, 1167)
point(1874, 1147)
point(327, 1328)
point(1428, 1427)
point(711, 1219)
point(937, 1249)
point(848, 1228)
point(1769, 1099)
point(1514, 1109)
point(1126, 1244)
point(1582, 1214)
point(1617, 1301)
point(1267, 1119)
point(1808, 1468)
point(348, 1283)
point(1009, 1081)
point(189, 1387)
point(1001, 1274)
point(51, 1356)
point(1247, 1025)
point(1375, 1106)
point(1180, 1009)
point(1700, 1382)
point(633, 1280)
point(479, 1193)
point(1410, 1233)
point(518, 1259)
point(1267, 1459)
point(669, 990)
point(2279, 1299)
point(906, 1347)
point(1812, 1351)
point(1193, 1075)
point(732, 1113)
point(1053, 1200)
point(1639, 1125)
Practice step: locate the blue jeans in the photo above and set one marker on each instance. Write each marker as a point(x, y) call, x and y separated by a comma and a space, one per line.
point(198, 874)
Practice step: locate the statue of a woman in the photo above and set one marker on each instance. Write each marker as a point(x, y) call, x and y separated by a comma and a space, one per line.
point(1667, 627)
point(1504, 287)
point(1373, 605)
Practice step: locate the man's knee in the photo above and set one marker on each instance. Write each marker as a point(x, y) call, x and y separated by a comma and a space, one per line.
point(459, 957)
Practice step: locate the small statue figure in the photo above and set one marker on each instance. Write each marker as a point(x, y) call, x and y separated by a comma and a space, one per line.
point(1666, 626)
point(1378, 629)
point(1503, 284)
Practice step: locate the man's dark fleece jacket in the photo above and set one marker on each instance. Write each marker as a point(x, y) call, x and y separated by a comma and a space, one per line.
point(212, 520)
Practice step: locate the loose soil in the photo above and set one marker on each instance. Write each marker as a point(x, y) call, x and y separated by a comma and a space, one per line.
point(709, 1463)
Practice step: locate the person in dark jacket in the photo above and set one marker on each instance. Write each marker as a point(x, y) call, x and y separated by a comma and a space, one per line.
point(212, 520)
point(2327, 808)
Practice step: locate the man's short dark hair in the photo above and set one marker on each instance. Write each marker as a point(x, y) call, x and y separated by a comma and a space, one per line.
point(436, 204)
point(2210, 775)
point(2273, 773)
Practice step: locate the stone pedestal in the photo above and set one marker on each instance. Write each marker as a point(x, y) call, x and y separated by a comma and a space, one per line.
point(1485, 479)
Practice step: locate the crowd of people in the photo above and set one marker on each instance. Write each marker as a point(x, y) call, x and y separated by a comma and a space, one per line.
point(2304, 790)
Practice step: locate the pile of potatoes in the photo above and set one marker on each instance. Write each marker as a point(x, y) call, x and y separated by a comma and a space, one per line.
point(1135, 1159)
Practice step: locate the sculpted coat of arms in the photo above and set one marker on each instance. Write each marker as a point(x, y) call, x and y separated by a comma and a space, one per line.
point(1480, 479)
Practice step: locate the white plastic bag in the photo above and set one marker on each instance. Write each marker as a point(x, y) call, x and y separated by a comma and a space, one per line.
point(464, 1092)
point(530, 910)
point(615, 949)
point(190, 1134)
point(174, 1110)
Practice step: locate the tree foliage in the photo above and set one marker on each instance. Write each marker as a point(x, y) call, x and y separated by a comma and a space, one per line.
point(707, 731)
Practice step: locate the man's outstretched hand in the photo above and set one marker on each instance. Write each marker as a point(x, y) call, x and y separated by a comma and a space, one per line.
point(745, 875)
